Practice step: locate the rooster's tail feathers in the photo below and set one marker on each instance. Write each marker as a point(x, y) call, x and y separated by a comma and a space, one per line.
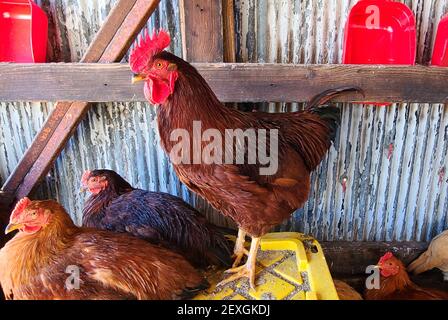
point(420, 265)
point(331, 115)
point(332, 118)
point(324, 97)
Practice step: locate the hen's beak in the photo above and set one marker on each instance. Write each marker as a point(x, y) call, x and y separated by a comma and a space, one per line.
point(137, 78)
point(378, 266)
point(13, 226)
point(82, 189)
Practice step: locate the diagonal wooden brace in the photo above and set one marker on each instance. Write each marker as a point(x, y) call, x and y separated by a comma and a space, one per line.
point(110, 45)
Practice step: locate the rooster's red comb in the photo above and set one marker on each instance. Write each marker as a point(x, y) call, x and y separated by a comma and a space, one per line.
point(20, 206)
point(386, 257)
point(146, 48)
point(85, 177)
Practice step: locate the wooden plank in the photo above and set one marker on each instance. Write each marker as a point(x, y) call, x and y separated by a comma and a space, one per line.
point(52, 148)
point(128, 31)
point(33, 152)
point(108, 31)
point(231, 82)
point(111, 44)
point(229, 41)
point(201, 27)
point(352, 258)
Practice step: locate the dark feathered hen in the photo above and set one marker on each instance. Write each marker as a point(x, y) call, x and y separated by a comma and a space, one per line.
point(156, 217)
point(254, 201)
point(52, 259)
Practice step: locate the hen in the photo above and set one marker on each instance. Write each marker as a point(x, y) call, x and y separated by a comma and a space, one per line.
point(395, 284)
point(435, 257)
point(156, 217)
point(346, 292)
point(51, 258)
point(256, 199)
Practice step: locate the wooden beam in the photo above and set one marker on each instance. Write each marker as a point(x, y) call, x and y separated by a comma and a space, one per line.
point(228, 23)
point(231, 82)
point(201, 27)
point(108, 31)
point(111, 43)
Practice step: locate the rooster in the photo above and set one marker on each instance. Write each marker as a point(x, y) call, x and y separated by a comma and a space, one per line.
point(435, 257)
point(255, 201)
point(156, 217)
point(395, 284)
point(50, 258)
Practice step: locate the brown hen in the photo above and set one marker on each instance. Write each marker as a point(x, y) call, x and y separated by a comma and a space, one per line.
point(395, 284)
point(50, 258)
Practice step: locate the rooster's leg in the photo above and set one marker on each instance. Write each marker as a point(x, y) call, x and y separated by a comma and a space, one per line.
point(247, 270)
point(239, 251)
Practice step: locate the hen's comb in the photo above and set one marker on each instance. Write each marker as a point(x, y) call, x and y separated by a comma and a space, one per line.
point(386, 257)
point(146, 48)
point(20, 206)
point(85, 177)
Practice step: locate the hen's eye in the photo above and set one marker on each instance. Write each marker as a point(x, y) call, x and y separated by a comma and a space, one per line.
point(159, 65)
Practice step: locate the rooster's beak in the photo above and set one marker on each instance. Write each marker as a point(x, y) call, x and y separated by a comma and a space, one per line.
point(137, 78)
point(13, 226)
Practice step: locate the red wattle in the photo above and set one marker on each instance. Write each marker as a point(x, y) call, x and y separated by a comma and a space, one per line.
point(157, 91)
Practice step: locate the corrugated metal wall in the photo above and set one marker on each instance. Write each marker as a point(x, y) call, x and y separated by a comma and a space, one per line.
point(392, 159)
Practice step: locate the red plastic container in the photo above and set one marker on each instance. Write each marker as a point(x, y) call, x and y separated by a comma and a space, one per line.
point(380, 32)
point(440, 55)
point(23, 31)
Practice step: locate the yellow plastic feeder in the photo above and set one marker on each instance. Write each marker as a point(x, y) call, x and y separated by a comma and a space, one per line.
point(290, 266)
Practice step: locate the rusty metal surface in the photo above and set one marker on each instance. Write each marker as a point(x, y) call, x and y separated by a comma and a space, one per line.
point(393, 159)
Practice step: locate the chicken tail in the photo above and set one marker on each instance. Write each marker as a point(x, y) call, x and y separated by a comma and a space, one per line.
point(324, 97)
point(421, 264)
point(331, 115)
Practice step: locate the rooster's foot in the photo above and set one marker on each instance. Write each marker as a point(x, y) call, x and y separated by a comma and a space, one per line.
point(247, 270)
point(239, 251)
point(244, 271)
point(238, 256)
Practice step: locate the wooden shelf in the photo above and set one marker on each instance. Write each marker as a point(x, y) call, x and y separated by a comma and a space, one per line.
point(231, 82)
